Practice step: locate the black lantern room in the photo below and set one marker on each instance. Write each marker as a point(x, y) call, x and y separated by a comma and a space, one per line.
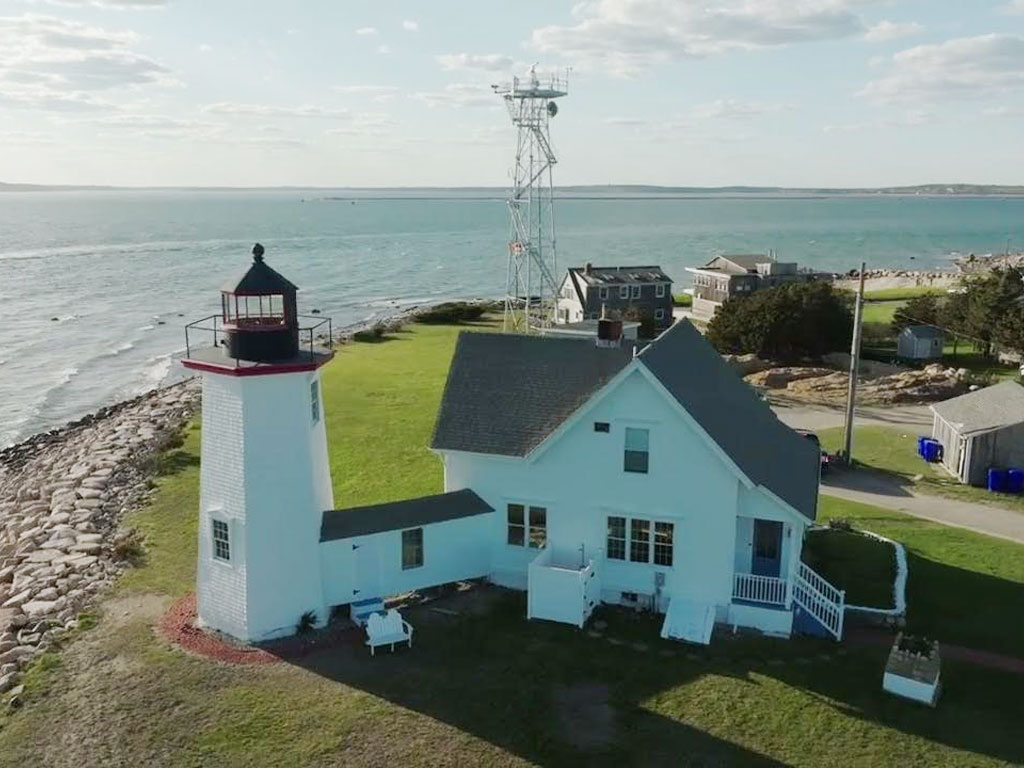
point(259, 314)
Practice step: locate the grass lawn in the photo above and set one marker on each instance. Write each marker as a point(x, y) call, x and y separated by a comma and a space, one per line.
point(682, 300)
point(881, 312)
point(862, 566)
point(894, 450)
point(487, 687)
point(902, 294)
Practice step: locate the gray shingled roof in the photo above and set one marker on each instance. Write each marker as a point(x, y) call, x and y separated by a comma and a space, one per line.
point(260, 279)
point(924, 331)
point(506, 392)
point(989, 408)
point(410, 513)
point(745, 428)
point(620, 275)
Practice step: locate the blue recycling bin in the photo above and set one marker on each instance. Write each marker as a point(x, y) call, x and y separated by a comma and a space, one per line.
point(920, 444)
point(931, 450)
point(1014, 480)
point(997, 479)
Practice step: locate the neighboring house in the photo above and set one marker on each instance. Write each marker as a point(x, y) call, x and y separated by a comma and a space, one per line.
point(739, 275)
point(622, 290)
point(578, 472)
point(587, 330)
point(981, 430)
point(920, 342)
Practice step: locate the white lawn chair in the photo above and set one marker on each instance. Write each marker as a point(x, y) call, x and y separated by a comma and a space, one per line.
point(387, 629)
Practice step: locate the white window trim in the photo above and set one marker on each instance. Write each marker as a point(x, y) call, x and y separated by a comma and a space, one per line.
point(217, 514)
point(315, 403)
point(659, 290)
point(674, 522)
point(525, 546)
point(624, 292)
point(602, 292)
point(659, 314)
point(636, 291)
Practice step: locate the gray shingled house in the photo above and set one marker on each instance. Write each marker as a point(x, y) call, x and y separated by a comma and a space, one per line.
point(626, 292)
point(981, 430)
point(738, 275)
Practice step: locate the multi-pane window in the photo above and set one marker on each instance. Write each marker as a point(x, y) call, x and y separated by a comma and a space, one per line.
point(602, 293)
point(616, 548)
point(659, 290)
point(314, 401)
point(639, 540)
point(663, 535)
point(636, 453)
point(221, 541)
point(412, 548)
point(516, 525)
point(527, 526)
point(636, 291)
point(602, 426)
point(624, 292)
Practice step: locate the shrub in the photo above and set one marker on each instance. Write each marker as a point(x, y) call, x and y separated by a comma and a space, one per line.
point(450, 313)
point(370, 335)
point(307, 622)
point(128, 546)
point(840, 524)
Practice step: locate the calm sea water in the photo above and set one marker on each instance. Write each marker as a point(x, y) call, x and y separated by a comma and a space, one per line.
point(95, 288)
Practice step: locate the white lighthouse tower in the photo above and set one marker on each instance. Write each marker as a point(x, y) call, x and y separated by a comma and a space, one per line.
point(264, 476)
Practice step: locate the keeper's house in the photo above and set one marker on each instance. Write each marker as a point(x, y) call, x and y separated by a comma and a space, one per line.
point(981, 430)
point(576, 472)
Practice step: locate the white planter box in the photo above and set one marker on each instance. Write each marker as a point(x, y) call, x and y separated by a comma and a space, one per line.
point(914, 676)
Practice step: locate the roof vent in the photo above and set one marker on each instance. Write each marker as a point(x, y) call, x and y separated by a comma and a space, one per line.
point(587, 268)
point(609, 332)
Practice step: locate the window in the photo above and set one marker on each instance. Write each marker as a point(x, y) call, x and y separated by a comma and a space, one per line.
point(636, 453)
point(639, 540)
point(516, 525)
point(602, 426)
point(663, 543)
point(659, 314)
point(659, 290)
point(624, 292)
point(636, 291)
point(527, 526)
point(412, 548)
point(603, 293)
point(314, 401)
point(538, 527)
point(221, 541)
point(616, 548)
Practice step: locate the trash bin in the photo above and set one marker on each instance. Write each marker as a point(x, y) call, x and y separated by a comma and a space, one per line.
point(1014, 480)
point(932, 450)
point(920, 444)
point(997, 480)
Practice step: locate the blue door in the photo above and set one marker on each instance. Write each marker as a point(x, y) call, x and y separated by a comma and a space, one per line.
point(767, 560)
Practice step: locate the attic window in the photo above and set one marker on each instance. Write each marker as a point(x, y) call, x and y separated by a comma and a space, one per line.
point(602, 426)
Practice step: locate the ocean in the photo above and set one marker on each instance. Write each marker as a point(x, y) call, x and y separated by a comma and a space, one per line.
point(96, 287)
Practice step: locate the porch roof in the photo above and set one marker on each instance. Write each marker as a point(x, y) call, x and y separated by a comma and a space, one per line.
point(399, 515)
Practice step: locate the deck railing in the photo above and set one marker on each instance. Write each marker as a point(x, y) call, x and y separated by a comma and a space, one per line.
point(759, 589)
point(309, 333)
point(820, 599)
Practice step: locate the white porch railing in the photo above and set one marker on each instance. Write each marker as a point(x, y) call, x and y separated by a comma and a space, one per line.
point(759, 589)
point(820, 599)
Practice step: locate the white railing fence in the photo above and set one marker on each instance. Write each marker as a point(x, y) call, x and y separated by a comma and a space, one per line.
point(820, 599)
point(759, 589)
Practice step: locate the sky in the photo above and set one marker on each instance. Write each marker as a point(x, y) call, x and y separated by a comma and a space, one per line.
point(385, 93)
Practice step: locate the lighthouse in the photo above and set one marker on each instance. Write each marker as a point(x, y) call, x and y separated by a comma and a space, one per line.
point(264, 475)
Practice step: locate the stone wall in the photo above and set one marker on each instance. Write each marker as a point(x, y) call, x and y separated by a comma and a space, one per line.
point(62, 496)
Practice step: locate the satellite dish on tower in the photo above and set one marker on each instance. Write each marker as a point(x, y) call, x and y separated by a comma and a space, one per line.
point(552, 109)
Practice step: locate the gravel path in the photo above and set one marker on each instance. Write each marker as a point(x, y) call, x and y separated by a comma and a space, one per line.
point(800, 415)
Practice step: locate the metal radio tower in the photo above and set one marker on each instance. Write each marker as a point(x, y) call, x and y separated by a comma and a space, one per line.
point(530, 284)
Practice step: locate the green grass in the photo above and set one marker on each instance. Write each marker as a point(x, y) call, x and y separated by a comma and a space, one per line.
point(682, 300)
point(902, 294)
point(881, 312)
point(862, 566)
point(487, 687)
point(894, 450)
point(960, 583)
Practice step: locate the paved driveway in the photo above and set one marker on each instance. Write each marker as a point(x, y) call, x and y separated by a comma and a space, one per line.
point(810, 416)
point(886, 491)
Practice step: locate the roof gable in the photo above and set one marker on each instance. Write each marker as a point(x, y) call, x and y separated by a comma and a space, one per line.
point(764, 449)
point(506, 393)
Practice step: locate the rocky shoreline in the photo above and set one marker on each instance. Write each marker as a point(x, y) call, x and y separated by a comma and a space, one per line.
point(63, 495)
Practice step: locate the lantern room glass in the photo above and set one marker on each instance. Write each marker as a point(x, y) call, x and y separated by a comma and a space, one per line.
point(246, 310)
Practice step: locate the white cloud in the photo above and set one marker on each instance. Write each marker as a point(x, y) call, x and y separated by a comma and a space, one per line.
point(967, 67)
point(270, 110)
point(158, 126)
point(628, 36)
point(884, 31)
point(459, 95)
point(735, 109)
point(384, 49)
point(1005, 111)
point(377, 93)
point(58, 64)
point(205, 48)
point(123, 5)
point(26, 138)
point(367, 124)
point(410, 26)
point(367, 31)
point(1013, 8)
point(489, 62)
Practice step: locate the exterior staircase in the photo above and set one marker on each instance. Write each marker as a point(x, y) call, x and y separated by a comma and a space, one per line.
point(821, 603)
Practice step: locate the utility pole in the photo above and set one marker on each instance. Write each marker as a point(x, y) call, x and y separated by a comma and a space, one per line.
point(851, 394)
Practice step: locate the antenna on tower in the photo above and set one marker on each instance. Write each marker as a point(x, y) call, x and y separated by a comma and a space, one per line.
point(530, 287)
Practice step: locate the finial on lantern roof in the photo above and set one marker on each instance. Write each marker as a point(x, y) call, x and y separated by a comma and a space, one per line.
point(257, 253)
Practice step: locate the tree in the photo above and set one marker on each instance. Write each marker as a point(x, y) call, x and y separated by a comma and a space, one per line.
point(920, 310)
point(1010, 332)
point(785, 323)
point(989, 298)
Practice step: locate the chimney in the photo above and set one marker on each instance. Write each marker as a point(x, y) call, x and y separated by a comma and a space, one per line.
point(609, 332)
point(587, 268)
